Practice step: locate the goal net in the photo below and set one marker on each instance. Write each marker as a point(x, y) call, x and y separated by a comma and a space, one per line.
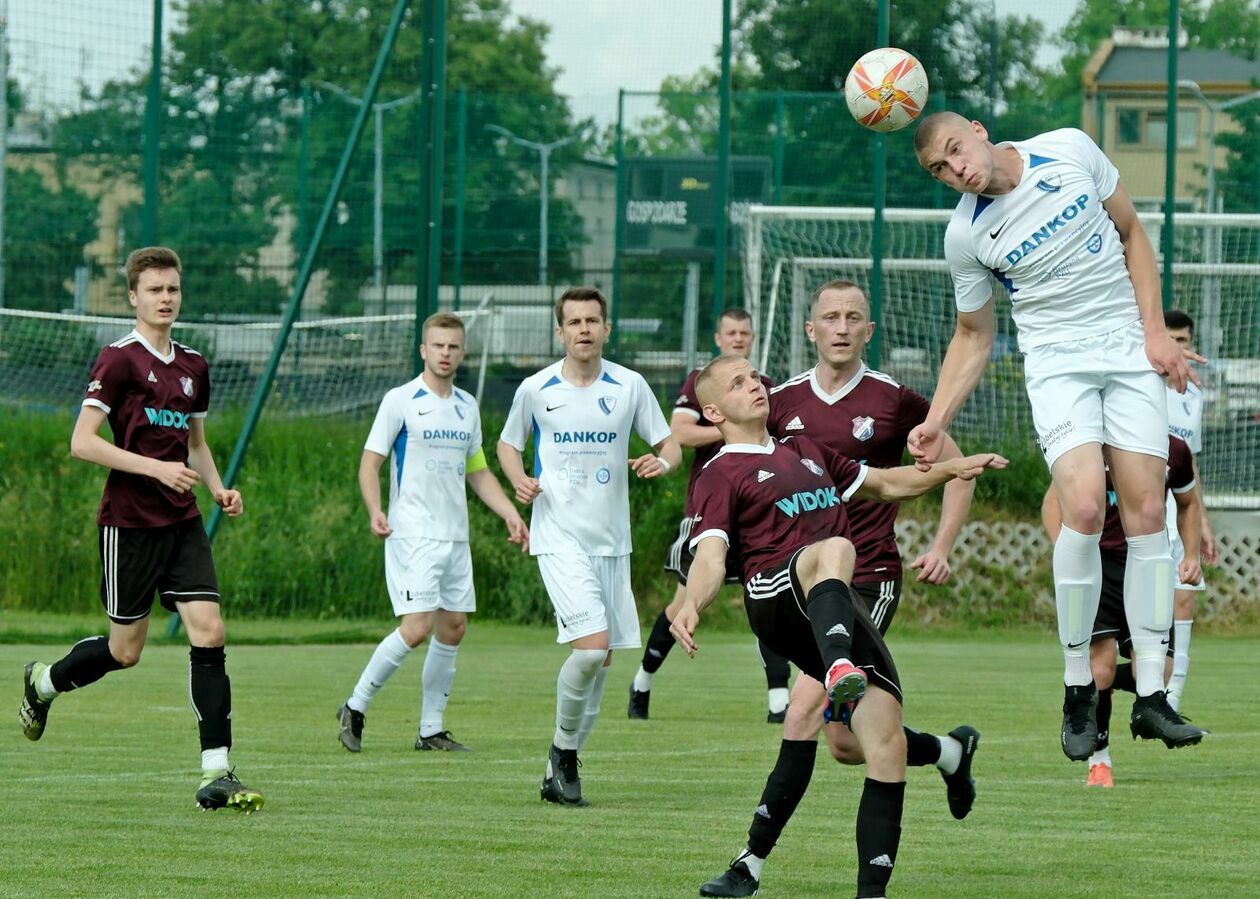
point(788, 251)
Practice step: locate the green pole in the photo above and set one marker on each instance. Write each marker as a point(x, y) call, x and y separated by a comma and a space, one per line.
point(877, 226)
point(304, 160)
point(1170, 153)
point(305, 270)
point(778, 147)
point(721, 199)
point(461, 148)
point(618, 222)
point(153, 132)
point(432, 73)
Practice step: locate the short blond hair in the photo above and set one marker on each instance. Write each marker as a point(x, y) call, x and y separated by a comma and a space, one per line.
point(441, 320)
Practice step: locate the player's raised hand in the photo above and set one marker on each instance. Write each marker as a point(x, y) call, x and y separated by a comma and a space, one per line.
point(933, 568)
point(683, 626)
point(379, 522)
point(648, 466)
point(1172, 361)
point(176, 475)
point(1189, 571)
point(518, 532)
point(925, 442)
point(229, 501)
point(970, 467)
point(527, 490)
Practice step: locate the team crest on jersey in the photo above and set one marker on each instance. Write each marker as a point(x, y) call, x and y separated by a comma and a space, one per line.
point(813, 466)
point(94, 386)
point(863, 427)
point(1051, 183)
point(607, 404)
point(187, 383)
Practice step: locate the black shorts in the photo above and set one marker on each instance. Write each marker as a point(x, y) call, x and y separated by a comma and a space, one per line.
point(775, 604)
point(880, 599)
point(172, 561)
point(1111, 623)
point(679, 558)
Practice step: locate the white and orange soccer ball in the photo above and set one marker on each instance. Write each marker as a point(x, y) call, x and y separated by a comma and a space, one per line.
point(886, 89)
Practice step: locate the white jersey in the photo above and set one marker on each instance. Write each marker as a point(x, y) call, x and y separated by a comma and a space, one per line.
point(1049, 241)
point(430, 440)
point(1185, 420)
point(581, 451)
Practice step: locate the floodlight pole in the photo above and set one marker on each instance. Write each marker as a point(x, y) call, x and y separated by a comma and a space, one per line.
point(1170, 153)
point(874, 353)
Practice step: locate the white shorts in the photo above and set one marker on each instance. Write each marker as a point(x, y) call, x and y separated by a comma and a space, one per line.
point(591, 594)
point(1097, 390)
point(1178, 548)
point(423, 575)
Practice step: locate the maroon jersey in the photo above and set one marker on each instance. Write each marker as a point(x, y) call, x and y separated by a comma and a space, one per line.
point(150, 400)
point(868, 419)
point(1178, 477)
point(768, 501)
point(687, 402)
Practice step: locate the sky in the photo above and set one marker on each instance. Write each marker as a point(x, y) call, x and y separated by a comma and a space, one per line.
point(611, 44)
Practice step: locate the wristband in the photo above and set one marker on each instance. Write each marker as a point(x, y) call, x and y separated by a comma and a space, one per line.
point(665, 465)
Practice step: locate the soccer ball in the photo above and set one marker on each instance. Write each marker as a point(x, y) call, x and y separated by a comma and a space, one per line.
point(886, 89)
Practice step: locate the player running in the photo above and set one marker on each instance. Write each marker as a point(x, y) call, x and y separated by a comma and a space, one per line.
point(1049, 218)
point(432, 429)
point(579, 413)
point(779, 508)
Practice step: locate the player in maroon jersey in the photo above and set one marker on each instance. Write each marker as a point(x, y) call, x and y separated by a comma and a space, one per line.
point(154, 393)
point(779, 508)
point(733, 337)
point(1111, 631)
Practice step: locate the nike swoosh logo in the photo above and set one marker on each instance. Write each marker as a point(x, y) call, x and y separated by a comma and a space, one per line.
point(423, 413)
point(993, 234)
point(554, 408)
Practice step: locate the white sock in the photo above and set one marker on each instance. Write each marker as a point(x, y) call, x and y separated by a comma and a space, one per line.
point(1181, 641)
point(753, 862)
point(1148, 602)
point(439, 674)
point(573, 687)
point(214, 759)
point(643, 680)
point(1101, 757)
point(591, 715)
point(389, 654)
point(1077, 588)
point(951, 754)
point(778, 698)
point(45, 690)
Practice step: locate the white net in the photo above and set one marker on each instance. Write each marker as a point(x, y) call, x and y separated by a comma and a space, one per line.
point(791, 250)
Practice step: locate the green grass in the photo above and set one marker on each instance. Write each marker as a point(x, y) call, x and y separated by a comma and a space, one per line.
point(104, 804)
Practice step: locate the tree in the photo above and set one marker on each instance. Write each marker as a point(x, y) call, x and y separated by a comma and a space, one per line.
point(49, 223)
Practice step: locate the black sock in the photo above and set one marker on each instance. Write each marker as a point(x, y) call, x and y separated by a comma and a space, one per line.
point(87, 662)
point(211, 695)
point(830, 611)
point(785, 787)
point(1102, 712)
point(659, 643)
point(921, 749)
point(878, 833)
point(1124, 679)
point(777, 670)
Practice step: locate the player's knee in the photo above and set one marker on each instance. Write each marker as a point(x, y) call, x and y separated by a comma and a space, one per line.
point(1104, 672)
point(127, 655)
point(830, 558)
point(589, 661)
point(888, 749)
point(844, 746)
point(414, 629)
point(1084, 514)
point(452, 632)
point(207, 632)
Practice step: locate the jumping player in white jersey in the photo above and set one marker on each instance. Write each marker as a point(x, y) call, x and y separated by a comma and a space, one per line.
point(579, 413)
point(1049, 218)
point(433, 431)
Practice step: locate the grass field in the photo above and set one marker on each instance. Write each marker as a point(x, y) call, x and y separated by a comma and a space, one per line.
point(103, 806)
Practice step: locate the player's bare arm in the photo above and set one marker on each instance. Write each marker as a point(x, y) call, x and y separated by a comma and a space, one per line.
point(688, 430)
point(1139, 258)
point(1051, 514)
point(665, 457)
point(486, 486)
point(201, 460)
point(892, 485)
point(933, 565)
point(708, 570)
point(1208, 550)
point(527, 488)
point(86, 443)
point(1189, 527)
point(370, 489)
point(961, 370)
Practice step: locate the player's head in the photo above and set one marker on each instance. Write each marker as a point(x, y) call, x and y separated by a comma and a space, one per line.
point(442, 344)
point(839, 323)
point(582, 322)
point(730, 391)
point(1180, 328)
point(153, 285)
point(955, 151)
point(734, 332)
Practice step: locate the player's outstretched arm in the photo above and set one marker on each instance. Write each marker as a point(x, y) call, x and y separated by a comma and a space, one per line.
point(1190, 528)
point(86, 443)
point(668, 456)
point(527, 488)
point(893, 485)
point(933, 565)
point(964, 364)
point(201, 460)
point(370, 489)
point(708, 571)
point(689, 431)
point(486, 486)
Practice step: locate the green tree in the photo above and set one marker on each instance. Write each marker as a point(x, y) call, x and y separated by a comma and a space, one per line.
point(49, 222)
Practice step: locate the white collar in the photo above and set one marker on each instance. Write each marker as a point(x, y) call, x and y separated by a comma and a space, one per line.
point(845, 389)
point(167, 360)
point(752, 448)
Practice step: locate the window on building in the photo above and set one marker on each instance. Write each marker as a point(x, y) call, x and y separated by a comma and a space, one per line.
point(1128, 126)
point(1155, 128)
